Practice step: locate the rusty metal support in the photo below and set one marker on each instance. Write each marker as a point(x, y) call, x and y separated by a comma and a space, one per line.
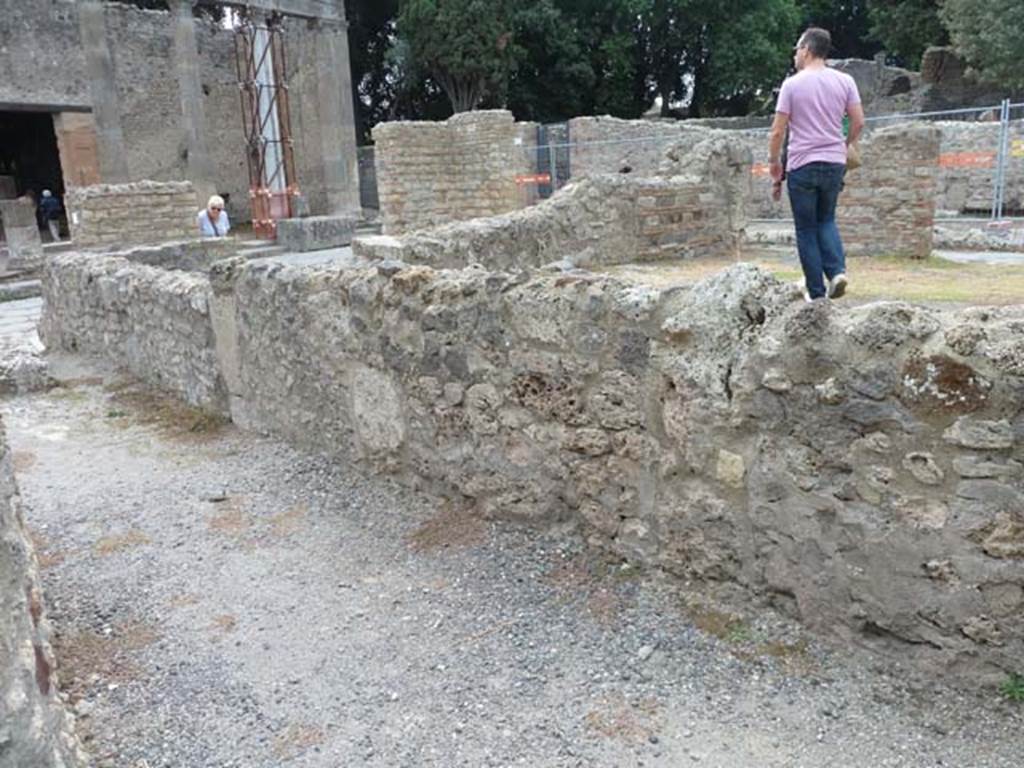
point(266, 121)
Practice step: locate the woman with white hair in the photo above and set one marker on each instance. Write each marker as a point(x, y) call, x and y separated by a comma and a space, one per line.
point(213, 220)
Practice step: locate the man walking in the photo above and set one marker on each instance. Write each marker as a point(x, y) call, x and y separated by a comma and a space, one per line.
point(49, 211)
point(812, 104)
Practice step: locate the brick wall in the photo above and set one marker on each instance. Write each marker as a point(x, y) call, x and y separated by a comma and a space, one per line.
point(117, 215)
point(435, 173)
point(692, 208)
point(888, 206)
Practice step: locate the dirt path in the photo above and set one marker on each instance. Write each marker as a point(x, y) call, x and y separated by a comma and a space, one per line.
point(223, 600)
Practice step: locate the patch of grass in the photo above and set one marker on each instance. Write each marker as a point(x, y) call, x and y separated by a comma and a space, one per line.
point(84, 653)
point(110, 545)
point(284, 524)
point(296, 740)
point(230, 519)
point(172, 417)
point(748, 644)
point(23, 460)
point(224, 623)
point(931, 280)
point(1013, 688)
point(454, 527)
point(183, 600)
point(64, 392)
point(725, 626)
point(615, 717)
point(46, 556)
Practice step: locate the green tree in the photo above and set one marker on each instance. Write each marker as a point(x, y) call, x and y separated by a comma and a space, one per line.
point(907, 27)
point(848, 23)
point(718, 55)
point(990, 37)
point(750, 54)
point(466, 47)
point(371, 31)
point(608, 34)
point(554, 79)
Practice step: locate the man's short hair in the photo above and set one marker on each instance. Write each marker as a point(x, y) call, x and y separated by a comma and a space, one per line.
point(818, 41)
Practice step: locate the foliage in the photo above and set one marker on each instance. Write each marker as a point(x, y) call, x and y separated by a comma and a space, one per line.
point(1013, 688)
point(554, 78)
point(848, 23)
point(750, 54)
point(465, 46)
point(990, 37)
point(907, 27)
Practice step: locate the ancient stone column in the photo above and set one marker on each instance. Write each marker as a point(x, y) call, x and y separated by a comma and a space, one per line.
point(337, 118)
point(103, 86)
point(190, 90)
point(22, 232)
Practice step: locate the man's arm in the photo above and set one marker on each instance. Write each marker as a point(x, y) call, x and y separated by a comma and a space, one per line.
point(775, 140)
point(856, 113)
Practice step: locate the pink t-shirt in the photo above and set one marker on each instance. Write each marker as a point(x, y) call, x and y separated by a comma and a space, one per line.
point(816, 101)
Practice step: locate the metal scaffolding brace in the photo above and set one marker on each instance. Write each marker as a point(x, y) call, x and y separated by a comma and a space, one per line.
point(266, 121)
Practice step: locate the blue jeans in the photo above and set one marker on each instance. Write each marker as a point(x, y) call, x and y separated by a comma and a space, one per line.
point(813, 191)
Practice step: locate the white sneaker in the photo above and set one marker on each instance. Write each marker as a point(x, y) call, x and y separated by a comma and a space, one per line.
point(837, 286)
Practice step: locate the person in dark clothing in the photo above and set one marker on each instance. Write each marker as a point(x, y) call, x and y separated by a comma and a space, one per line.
point(49, 211)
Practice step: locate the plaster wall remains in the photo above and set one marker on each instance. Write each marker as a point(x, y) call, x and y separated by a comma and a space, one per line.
point(860, 467)
point(692, 207)
point(118, 215)
point(429, 174)
point(35, 727)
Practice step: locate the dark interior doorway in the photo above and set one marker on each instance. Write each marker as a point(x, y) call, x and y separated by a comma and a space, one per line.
point(28, 152)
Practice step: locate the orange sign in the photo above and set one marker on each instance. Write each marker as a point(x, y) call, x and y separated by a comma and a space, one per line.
point(967, 160)
point(760, 169)
point(538, 178)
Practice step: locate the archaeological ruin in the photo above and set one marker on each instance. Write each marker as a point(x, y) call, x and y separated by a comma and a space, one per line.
point(858, 467)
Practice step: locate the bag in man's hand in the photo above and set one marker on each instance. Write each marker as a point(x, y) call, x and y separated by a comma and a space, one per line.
point(853, 160)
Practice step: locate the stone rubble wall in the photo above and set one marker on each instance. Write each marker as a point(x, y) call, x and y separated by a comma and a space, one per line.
point(153, 322)
point(36, 729)
point(888, 206)
point(692, 207)
point(964, 166)
point(861, 468)
point(429, 174)
point(116, 215)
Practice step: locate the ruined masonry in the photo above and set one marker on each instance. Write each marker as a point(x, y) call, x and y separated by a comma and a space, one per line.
point(861, 468)
point(35, 728)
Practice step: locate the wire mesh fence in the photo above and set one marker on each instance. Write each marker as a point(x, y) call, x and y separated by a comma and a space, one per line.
point(980, 167)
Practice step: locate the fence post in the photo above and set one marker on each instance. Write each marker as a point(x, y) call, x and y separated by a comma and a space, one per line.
point(999, 184)
point(552, 168)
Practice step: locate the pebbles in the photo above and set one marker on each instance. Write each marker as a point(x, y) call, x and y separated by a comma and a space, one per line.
point(270, 610)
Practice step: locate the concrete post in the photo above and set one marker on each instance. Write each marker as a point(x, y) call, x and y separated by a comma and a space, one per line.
point(103, 85)
point(337, 119)
point(190, 90)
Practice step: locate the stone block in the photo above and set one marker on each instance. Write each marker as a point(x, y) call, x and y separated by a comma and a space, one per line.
point(19, 212)
point(8, 188)
point(316, 232)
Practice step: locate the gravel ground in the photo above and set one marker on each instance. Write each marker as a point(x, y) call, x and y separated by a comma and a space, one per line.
point(224, 600)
